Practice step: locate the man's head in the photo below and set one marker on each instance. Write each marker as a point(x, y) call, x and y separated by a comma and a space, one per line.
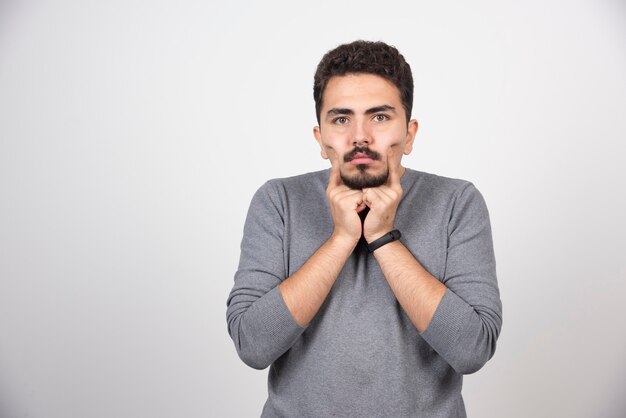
point(365, 57)
point(363, 97)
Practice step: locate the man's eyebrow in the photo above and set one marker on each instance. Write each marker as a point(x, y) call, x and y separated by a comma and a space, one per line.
point(382, 108)
point(339, 111)
point(345, 111)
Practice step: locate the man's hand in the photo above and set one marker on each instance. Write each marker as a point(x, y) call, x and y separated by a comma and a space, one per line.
point(383, 202)
point(345, 205)
point(306, 289)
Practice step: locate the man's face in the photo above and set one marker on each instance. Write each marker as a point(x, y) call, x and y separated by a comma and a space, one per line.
point(361, 119)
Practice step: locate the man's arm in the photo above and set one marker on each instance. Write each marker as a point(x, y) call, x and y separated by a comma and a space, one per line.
point(460, 316)
point(267, 312)
point(258, 319)
point(417, 291)
point(305, 291)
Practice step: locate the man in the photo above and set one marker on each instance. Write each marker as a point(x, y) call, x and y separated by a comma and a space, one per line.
point(369, 288)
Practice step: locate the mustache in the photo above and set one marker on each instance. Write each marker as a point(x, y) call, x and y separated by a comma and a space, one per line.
point(361, 150)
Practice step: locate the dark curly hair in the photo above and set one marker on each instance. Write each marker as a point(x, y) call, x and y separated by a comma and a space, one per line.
point(365, 57)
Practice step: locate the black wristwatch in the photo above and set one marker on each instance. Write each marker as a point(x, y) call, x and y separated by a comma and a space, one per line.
point(385, 239)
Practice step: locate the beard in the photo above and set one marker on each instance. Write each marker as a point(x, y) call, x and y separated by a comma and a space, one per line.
point(364, 179)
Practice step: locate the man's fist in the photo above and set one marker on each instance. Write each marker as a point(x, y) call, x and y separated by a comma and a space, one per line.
point(383, 202)
point(345, 205)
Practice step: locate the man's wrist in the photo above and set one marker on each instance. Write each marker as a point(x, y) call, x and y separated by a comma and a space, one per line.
point(369, 238)
point(343, 241)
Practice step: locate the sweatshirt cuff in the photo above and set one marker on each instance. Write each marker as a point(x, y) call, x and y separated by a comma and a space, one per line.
point(450, 318)
point(277, 323)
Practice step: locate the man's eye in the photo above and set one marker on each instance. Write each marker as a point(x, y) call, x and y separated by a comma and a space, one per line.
point(341, 120)
point(380, 118)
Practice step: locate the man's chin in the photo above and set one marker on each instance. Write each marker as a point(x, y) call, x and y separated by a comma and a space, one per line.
point(364, 180)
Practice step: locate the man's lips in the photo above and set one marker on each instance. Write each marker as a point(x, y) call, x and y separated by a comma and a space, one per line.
point(361, 158)
point(364, 160)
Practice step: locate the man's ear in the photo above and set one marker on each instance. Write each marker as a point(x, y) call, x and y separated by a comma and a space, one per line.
point(410, 136)
point(318, 137)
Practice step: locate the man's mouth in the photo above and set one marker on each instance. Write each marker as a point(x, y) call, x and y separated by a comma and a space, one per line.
point(361, 156)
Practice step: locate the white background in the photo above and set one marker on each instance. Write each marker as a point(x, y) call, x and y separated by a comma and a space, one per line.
point(134, 133)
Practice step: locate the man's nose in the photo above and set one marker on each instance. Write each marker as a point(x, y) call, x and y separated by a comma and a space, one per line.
point(361, 136)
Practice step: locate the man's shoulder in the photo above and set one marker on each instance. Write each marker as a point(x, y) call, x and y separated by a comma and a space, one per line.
point(314, 177)
point(301, 181)
point(434, 183)
point(442, 193)
point(298, 186)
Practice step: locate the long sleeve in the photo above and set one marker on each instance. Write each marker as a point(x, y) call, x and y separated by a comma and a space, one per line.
point(467, 322)
point(361, 341)
point(259, 322)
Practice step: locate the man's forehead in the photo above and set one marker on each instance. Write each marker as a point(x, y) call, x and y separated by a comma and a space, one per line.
point(365, 90)
point(359, 94)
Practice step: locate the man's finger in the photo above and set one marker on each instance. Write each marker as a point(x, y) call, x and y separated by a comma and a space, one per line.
point(394, 170)
point(386, 192)
point(375, 196)
point(334, 179)
point(344, 192)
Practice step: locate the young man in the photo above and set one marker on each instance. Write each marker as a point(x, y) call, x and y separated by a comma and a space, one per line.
point(369, 288)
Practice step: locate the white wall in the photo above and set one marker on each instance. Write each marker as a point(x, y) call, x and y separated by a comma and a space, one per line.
point(133, 134)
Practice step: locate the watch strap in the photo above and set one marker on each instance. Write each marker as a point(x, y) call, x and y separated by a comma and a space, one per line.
point(385, 239)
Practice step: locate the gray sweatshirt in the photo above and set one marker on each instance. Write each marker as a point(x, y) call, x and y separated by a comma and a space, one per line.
point(361, 356)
